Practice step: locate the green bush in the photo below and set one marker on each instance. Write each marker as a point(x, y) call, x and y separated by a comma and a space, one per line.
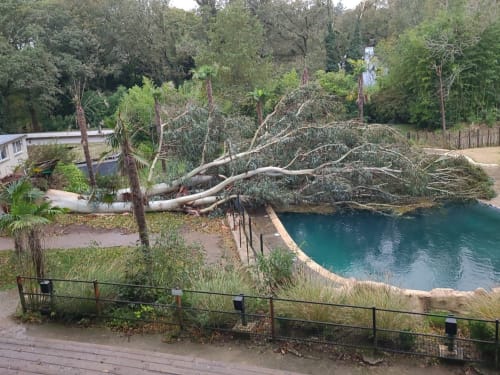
point(70, 178)
point(276, 268)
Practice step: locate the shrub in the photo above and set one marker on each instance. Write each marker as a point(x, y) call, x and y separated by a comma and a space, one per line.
point(69, 178)
point(276, 268)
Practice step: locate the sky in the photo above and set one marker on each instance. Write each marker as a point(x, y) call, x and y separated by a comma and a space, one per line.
point(190, 4)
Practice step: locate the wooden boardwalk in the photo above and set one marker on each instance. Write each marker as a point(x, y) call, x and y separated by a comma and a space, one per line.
point(54, 357)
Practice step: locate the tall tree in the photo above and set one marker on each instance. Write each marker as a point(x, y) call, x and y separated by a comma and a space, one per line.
point(26, 213)
point(236, 42)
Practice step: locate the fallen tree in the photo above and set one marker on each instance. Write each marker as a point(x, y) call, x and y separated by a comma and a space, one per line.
point(301, 155)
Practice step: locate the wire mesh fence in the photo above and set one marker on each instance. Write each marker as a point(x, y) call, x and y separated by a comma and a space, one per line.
point(126, 305)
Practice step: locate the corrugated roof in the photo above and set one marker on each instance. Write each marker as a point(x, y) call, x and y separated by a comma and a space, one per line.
point(74, 133)
point(7, 138)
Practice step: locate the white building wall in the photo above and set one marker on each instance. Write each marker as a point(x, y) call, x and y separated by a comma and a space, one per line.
point(13, 159)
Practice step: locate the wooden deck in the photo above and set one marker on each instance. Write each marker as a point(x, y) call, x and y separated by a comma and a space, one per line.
point(54, 357)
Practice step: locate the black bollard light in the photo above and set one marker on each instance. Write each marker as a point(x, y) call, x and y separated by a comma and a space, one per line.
point(46, 286)
point(451, 329)
point(239, 305)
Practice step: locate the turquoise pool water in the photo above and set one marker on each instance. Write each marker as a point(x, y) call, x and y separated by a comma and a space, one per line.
point(452, 247)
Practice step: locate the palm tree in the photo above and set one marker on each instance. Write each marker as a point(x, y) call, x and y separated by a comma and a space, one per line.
point(26, 213)
point(122, 139)
point(259, 96)
point(206, 73)
point(82, 124)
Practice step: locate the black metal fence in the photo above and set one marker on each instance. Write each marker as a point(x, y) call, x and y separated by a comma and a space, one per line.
point(248, 239)
point(434, 335)
point(470, 138)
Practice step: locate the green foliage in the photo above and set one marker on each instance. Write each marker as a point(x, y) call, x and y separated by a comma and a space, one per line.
point(276, 268)
point(173, 263)
point(70, 177)
point(338, 83)
point(235, 43)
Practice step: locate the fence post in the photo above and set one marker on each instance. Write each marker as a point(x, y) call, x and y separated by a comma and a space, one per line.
point(250, 230)
point(459, 139)
point(374, 326)
point(261, 237)
point(178, 302)
point(408, 135)
point(488, 139)
point(271, 313)
point(239, 228)
point(21, 292)
point(97, 295)
point(477, 136)
point(469, 140)
point(496, 343)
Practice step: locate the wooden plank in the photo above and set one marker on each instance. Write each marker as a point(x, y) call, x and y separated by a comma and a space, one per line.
point(83, 358)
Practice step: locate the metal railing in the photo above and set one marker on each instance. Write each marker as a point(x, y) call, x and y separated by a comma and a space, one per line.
point(476, 340)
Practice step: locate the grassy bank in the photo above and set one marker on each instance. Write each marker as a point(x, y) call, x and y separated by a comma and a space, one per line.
point(73, 263)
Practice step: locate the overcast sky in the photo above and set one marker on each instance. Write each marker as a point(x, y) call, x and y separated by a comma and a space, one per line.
point(190, 4)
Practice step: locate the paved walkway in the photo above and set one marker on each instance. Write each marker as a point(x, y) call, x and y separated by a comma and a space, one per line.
point(54, 357)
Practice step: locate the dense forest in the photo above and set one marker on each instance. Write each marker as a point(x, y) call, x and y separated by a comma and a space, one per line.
point(436, 60)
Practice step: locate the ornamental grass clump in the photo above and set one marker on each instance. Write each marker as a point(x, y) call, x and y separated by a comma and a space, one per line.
point(318, 291)
point(381, 297)
point(484, 306)
point(213, 310)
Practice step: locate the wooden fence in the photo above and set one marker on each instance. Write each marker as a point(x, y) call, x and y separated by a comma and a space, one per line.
point(471, 138)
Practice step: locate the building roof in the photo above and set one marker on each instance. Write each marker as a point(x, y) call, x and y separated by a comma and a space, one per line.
point(75, 133)
point(8, 138)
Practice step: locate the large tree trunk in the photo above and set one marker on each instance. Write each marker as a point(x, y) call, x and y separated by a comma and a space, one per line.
point(82, 124)
point(260, 118)
point(36, 250)
point(137, 196)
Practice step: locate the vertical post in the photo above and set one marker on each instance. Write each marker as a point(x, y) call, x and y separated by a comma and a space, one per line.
point(250, 230)
point(178, 302)
point(449, 140)
point(408, 135)
point(488, 139)
point(97, 295)
point(374, 326)
point(21, 292)
point(261, 237)
point(459, 139)
point(477, 136)
point(271, 313)
point(239, 229)
point(469, 140)
point(496, 343)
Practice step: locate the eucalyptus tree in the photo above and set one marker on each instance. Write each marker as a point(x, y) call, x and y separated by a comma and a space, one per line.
point(301, 155)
